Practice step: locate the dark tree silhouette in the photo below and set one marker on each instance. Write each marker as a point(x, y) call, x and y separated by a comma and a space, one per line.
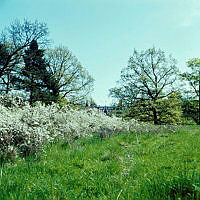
point(34, 77)
point(13, 41)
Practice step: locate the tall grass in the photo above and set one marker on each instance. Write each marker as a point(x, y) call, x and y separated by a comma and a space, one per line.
point(125, 166)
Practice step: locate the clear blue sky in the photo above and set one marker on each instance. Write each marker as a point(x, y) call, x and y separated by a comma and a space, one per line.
point(103, 33)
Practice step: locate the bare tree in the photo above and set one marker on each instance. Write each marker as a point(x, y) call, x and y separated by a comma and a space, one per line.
point(149, 76)
point(73, 81)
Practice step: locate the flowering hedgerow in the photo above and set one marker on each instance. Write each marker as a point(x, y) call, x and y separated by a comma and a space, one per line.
point(25, 129)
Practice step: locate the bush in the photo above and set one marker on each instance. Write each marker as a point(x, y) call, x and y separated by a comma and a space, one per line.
point(24, 129)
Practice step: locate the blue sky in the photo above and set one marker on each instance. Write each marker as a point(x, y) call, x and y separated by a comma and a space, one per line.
point(103, 33)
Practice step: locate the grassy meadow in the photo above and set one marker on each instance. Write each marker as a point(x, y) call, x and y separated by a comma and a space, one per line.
point(123, 166)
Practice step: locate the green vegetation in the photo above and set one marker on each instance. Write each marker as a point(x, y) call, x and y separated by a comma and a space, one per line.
point(29, 68)
point(124, 166)
point(149, 88)
point(169, 110)
point(193, 77)
point(149, 78)
point(51, 150)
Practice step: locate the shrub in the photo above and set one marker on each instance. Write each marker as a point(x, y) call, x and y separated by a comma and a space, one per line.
point(25, 129)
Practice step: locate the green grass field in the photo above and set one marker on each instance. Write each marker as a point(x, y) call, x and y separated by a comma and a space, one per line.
point(124, 166)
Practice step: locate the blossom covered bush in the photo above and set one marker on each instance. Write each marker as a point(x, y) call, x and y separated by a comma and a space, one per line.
point(25, 129)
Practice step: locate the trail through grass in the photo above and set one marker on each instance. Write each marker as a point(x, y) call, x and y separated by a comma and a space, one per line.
point(124, 166)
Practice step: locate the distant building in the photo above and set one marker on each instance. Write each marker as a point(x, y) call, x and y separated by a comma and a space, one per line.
point(107, 109)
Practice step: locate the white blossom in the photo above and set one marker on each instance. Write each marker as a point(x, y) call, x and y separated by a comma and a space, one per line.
point(26, 129)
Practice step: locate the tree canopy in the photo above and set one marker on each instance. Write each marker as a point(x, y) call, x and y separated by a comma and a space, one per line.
point(34, 78)
point(73, 81)
point(14, 40)
point(149, 76)
point(36, 70)
point(193, 78)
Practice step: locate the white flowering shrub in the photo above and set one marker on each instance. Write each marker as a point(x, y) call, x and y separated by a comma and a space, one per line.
point(25, 129)
point(12, 101)
point(17, 137)
point(141, 127)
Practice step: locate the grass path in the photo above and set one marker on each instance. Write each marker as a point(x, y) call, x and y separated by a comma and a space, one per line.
point(124, 166)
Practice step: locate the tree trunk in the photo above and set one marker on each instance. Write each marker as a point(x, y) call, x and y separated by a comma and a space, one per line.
point(155, 117)
point(31, 91)
point(8, 84)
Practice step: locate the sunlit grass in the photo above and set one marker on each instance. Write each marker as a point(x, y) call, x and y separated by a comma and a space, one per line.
point(124, 166)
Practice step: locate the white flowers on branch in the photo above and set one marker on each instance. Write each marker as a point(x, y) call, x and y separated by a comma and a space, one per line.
point(25, 129)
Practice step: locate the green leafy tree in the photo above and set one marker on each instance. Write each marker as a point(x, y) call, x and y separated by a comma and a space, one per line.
point(169, 110)
point(193, 78)
point(190, 111)
point(149, 77)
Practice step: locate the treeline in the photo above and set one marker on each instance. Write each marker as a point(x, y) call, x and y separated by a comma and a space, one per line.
point(152, 89)
point(33, 70)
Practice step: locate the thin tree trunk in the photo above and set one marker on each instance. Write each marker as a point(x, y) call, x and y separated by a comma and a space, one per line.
point(155, 117)
point(31, 91)
point(8, 84)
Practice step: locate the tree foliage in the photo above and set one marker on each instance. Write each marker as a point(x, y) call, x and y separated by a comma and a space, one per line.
point(5, 79)
point(168, 109)
point(193, 78)
point(34, 78)
point(73, 81)
point(58, 75)
point(190, 111)
point(149, 77)
point(14, 40)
